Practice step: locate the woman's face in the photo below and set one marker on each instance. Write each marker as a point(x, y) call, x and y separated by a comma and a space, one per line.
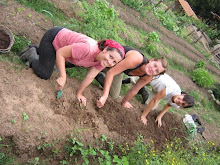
point(153, 68)
point(110, 58)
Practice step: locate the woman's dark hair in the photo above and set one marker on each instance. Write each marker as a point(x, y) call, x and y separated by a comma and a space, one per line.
point(101, 45)
point(188, 99)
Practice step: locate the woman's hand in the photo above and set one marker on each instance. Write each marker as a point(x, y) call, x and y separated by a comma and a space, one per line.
point(61, 81)
point(101, 101)
point(127, 105)
point(144, 120)
point(158, 119)
point(81, 99)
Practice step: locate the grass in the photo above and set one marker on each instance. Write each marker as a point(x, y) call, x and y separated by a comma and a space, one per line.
point(107, 152)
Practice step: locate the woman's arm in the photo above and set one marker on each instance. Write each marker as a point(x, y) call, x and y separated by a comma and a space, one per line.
point(134, 90)
point(61, 54)
point(133, 58)
point(151, 104)
point(87, 80)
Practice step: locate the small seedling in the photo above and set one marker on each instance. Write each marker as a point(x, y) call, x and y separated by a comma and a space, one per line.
point(25, 116)
point(13, 121)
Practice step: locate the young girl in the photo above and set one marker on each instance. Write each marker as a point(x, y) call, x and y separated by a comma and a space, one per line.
point(61, 44)
point(134, 64)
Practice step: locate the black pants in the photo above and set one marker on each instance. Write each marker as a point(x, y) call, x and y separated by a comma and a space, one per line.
point(43, 67)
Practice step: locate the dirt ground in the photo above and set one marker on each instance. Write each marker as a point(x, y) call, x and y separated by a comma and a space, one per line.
point(22, 93)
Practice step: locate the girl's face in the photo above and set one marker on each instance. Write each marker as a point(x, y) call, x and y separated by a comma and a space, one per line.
point(153, 68)
point(110, 58)
point(179, 100)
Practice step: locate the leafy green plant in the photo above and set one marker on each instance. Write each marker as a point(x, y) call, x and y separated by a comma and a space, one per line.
point(168, 20)
point(135, 4)
point(20, 43)
point(153, 36)
point(200, 64)
point(25, 116)
point(13, 121)
point(151, 49)
point(5, 158)
point(104, 19)
point(202, 78)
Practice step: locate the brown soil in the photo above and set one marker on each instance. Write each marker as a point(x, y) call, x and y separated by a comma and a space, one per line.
point(51, 119)
point(4, 40)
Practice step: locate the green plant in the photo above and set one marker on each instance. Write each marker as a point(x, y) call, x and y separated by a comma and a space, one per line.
point(25, 116)
point(5, 158)
point(153, 36)
point(151, 49)
point(104, 19)
point(202, 78)
point(36, 161)
point(168, 20)
point(20, 43)
point(135, 4)
point(200, 64)
point(13, 121)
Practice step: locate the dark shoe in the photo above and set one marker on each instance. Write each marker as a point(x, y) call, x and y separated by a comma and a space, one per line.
point(126, 81)
point(101, 78)
point(196, 119)
point(201, 130)
point(27, 48)
point(29, 55)
point(144, 93)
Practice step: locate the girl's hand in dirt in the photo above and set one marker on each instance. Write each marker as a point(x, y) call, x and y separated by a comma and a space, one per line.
point(158, 119)
point(144, 120)
point(61, 81)
point(127, 105)
point(100, 102)
point(81, 99)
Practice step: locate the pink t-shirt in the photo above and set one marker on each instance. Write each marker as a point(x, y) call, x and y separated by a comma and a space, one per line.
point(84, 48)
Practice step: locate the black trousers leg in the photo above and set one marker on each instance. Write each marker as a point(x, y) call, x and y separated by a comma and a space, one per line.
point(43, 67)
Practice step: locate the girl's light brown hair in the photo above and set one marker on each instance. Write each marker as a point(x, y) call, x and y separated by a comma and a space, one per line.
point(164, 63)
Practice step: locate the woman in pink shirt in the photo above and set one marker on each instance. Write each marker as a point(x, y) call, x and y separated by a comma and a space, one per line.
point(63, 45)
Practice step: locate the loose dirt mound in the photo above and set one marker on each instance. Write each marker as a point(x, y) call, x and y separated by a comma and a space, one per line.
point(24, 94)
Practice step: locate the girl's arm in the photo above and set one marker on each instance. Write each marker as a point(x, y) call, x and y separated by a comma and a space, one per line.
point(93, 72)
point(151, 104)
point(61, 54)
point(134, 90)
point(133, 58)
point(159, 117)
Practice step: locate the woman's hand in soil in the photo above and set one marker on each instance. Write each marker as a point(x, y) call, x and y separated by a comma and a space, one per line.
point(61, 81)
point(158, 120)
point(100, 102)
point(127, 105)
point(81, 99)
point(144, 120)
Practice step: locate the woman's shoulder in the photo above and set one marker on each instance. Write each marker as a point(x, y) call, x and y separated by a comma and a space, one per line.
point(134, 55)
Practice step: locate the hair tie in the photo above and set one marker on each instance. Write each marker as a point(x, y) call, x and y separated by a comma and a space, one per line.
point(116, 45)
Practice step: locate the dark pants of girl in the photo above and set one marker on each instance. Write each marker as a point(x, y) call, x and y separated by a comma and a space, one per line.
point(43, 67)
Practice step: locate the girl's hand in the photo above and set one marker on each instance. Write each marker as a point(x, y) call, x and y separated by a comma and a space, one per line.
point(144, 120)
point(100, 102)
point(127, 105)
point(158, 119)
point(61, 81)
point(81, 99)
